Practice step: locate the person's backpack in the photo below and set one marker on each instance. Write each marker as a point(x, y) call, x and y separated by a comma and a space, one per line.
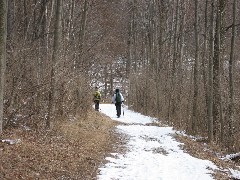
point(118, 98)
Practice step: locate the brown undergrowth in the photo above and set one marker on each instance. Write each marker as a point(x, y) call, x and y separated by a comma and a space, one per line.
point(71, 150)
point(203, 150)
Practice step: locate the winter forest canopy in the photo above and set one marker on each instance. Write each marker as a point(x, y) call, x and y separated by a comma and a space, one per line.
point(177, 60)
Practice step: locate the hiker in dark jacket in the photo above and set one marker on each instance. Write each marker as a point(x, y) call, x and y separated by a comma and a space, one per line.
point(118, 100)
point(96, 98)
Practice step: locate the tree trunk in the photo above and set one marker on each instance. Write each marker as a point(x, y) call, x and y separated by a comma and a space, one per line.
point(231, 93)
point(210, 76)
point(25, 19)
point(3, 36)
point(160, 54)
point(129, 41)
point(106, 80)
point(55, 54)
point(195, 95)
point(134, 38)
point(204, 55)
point(70, 24)
point(175, 24)
point(10, 19)
point(217, 104)
point(82, 35)
point(181, 59)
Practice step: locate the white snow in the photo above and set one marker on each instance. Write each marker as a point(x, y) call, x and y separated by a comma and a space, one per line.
point(235, 173)
point(232, 156)
point(152, 153)
point(11, 141)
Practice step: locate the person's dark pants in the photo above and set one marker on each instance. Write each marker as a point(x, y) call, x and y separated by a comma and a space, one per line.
point(118, 108)
point(96, 105)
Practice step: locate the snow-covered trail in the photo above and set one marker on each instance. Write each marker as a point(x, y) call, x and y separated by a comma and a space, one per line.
point(152, 153)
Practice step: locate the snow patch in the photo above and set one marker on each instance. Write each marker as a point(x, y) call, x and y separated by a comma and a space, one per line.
point(11, 142)
point(152, 153)
point(235, 173)
point(232, 156)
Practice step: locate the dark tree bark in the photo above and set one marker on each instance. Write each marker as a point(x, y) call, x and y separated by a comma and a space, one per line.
point(80, 63)
point(210, 76)
point(55, 54)
point(3, 35)
point(217, 102)
point(231, 92)
point(10, 19)
point(196, 71)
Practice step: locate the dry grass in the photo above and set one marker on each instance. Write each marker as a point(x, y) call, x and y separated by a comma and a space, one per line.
point(72, 150)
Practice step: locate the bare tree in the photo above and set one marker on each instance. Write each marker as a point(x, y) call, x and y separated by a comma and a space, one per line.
point(231, 92)
point(196, 66)
point(55, 55)
point(217, 61)
point(175, 26)
point(210, 75)
point(3, 35)
point(82, 34)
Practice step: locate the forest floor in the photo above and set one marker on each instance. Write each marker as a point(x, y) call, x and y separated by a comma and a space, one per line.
point(74, 149)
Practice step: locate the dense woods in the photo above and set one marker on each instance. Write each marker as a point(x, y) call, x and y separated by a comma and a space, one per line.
point(187, 73)
point(176, 60)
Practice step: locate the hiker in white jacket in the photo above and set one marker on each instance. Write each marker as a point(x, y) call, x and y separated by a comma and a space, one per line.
point(118, 100)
